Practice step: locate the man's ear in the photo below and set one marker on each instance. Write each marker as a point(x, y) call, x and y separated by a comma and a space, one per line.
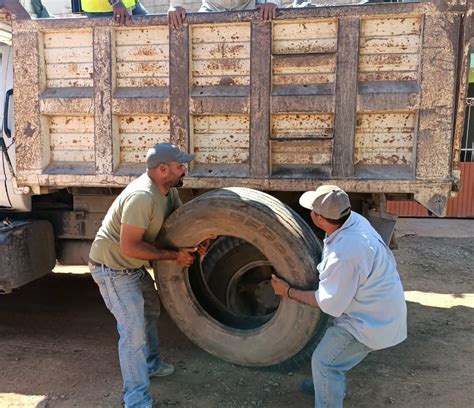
point(163, 168)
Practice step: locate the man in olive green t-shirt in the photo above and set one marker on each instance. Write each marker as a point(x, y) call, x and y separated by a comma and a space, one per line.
point(123, 244)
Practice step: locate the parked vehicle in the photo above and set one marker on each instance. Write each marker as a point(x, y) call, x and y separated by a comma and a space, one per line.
point(368, 97)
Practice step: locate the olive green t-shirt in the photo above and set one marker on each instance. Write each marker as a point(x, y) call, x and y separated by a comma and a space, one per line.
point(142, 205)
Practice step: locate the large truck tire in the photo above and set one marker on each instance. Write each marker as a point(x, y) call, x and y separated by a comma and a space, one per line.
point(239, 275)
point(281, 236)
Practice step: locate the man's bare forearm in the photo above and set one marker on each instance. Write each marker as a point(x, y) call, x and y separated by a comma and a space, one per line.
point(148, 252)
point(303, 296)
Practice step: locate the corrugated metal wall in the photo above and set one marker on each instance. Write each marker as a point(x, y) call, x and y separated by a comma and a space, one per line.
point(460, 207)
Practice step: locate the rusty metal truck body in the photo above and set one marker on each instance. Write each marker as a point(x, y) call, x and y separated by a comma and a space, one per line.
point(368, 97)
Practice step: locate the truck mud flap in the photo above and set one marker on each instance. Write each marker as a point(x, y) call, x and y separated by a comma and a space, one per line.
point(289, 246)
point(26, 252)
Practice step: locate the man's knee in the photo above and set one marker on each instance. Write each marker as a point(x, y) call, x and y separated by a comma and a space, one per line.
point(134, 336)
point(319, 362)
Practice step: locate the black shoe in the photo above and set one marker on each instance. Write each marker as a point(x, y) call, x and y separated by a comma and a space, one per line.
point(307, 386)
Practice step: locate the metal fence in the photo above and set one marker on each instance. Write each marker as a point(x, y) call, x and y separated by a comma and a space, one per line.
point(467, 146)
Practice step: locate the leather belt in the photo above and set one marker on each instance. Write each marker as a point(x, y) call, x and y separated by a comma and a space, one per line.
point(93, 264)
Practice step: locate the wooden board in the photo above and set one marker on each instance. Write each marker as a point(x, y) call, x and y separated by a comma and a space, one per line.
point(385, 138)
point(346, 97)
point(150, 52)
point(390, 26)
point(313, 36)
point(220, 54)
point(408, 43)
point(438, 91)
point(143, 69)
point(106, 138)
point(303, 69)
point(388, 76)
point(142, 57)
point(211, 124)
point(71, 124)
point(219, 139)
point(222, 49)
point(155, 35)
point(390, 48)
point(302, 125)
point(71, 138)
point(220, 33)
point(68, 58)
point(138, 133)
point(221, 67)
point(389, 62)
point(71, 70)
point(59, 55)
point(179, 88)
point(301, 152)
point(260, 89)
point(67, 39)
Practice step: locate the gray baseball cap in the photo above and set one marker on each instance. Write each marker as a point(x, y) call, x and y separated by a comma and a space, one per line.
point(329, 201)
point(162, 153)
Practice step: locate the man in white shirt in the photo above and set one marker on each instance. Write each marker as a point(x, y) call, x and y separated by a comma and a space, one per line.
point(358, 284)
point(267, 9)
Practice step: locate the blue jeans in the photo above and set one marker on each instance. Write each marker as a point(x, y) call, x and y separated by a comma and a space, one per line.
point(337, 353)
point(132, 299)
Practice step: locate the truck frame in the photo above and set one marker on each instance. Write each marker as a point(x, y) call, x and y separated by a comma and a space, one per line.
point(369, 97)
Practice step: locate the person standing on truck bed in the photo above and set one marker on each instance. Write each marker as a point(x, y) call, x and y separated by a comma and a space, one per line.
point(123, 244)
point(359, 285)
point(120, 10)
point(267, 8)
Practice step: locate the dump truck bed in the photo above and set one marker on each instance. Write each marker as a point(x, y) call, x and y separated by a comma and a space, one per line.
point(363, 96)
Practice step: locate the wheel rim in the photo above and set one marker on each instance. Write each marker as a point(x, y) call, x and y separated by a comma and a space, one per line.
point(249, 292)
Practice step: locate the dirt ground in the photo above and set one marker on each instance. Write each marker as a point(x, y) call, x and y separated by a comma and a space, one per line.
point(58, 346)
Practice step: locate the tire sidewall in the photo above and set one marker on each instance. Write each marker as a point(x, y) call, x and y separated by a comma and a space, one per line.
point(293, 323)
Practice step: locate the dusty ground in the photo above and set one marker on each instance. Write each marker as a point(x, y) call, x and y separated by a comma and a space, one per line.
point(58, 346)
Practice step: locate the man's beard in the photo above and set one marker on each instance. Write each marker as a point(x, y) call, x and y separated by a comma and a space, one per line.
point(179, 183)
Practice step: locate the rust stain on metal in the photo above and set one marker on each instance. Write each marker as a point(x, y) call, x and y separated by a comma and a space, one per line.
point(145, 51)
point(29, 130)
point(226, 81)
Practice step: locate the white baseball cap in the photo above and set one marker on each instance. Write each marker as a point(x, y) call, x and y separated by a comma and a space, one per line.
point(329, 201)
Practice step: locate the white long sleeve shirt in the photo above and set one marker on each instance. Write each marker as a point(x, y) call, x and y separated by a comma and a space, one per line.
point(228, 4)
point(360, 285)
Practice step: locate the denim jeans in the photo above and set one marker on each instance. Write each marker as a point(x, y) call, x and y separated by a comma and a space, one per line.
point(132, 299)
point(337, 353)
